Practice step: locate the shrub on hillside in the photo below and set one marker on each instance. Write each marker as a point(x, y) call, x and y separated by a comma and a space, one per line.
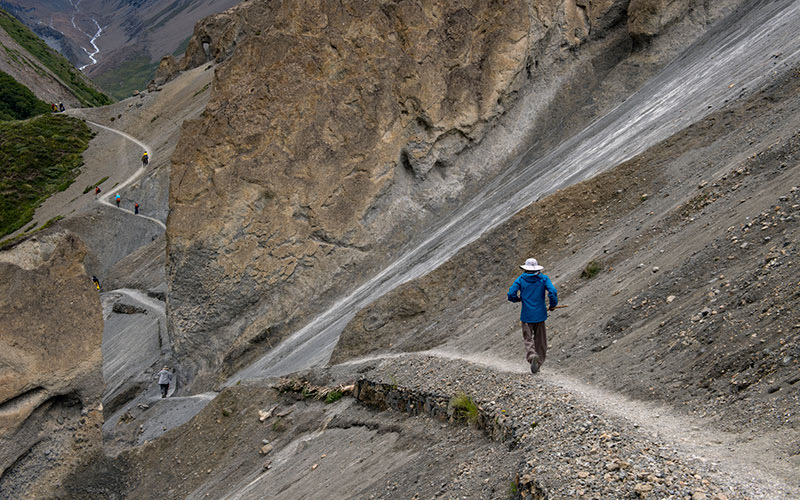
point(69, 75)
point(38, 157)
point(17, 102)
point(592, 269)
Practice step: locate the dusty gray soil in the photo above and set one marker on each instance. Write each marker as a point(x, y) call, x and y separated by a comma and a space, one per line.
point(696, 240)
point(339, 450)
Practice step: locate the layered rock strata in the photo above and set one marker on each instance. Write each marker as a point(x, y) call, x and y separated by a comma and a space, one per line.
point(50, 366)
point(337, 133)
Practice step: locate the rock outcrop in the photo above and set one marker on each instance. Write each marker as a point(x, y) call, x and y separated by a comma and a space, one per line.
point(50, 365)
point(333, 130)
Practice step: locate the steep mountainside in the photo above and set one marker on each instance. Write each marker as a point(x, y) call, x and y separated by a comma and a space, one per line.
point(335, 137)
point(118, 43)
point(45, 72)
point(679, 269)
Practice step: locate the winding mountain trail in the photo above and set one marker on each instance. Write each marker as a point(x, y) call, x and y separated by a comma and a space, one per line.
point(104, 198)
point(737, 459)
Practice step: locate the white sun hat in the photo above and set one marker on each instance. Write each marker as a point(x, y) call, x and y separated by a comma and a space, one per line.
point(531, 265)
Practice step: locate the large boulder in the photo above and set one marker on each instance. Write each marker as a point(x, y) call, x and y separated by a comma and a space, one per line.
point(166, 71)
point(51, 383)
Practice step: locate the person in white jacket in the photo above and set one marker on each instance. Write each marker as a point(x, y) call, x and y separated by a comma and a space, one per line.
point(164, 378)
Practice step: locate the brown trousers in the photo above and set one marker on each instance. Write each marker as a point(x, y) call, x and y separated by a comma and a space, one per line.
point(535, 337)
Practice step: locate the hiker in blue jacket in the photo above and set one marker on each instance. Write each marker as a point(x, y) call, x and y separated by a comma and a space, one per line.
point(531, 286)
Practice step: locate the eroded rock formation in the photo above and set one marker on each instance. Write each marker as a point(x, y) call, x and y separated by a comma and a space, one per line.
point(50, 365)
point(332, 129)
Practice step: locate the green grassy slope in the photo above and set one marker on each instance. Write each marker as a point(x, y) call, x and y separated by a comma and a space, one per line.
point(17, 102)
point(131, 74)
point(38, 157)
point(68, 74)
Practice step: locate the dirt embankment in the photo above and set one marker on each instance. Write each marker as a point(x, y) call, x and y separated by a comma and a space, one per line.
point(305, 448)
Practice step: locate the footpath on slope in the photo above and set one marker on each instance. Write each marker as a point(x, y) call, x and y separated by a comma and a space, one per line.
point(127, 182)
point(584, 442)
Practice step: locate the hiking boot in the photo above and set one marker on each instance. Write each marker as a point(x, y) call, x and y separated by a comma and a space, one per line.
point(535, 365)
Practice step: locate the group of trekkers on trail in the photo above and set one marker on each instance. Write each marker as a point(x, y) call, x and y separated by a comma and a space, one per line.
point(117, 197)
point(529, 288)
point(57, 107)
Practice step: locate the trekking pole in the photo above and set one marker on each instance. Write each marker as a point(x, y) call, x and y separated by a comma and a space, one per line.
point(560, 307)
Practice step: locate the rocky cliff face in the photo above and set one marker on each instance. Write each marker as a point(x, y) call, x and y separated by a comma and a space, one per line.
point(333, 130)
point(50, 366)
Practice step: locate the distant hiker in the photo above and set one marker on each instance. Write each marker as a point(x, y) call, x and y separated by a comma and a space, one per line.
point(164, 378)
point(61, 106)
point(145, 159)
point(54, 107)
point(531, 286)
point(96, 192)
point(136, 208)
point(96, 282)
point(117, 199)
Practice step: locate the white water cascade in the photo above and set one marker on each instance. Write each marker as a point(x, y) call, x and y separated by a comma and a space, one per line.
point(92, 38)
point(737, 57)
point(94, 45)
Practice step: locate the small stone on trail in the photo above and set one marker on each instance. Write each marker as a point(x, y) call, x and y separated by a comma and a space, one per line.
point(670, 299)
point(314, 467)
point(643, 488)
point(266, 449)
point(655, 269)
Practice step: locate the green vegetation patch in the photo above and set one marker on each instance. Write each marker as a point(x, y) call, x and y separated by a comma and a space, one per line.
point(68, 74)
point(90, 188)
point(10, 242)
point(333, 396)
point(133, 74)
point(38, 157)
point(205, 87)
point(592, 269)
point(464, 408)
point(17, 102)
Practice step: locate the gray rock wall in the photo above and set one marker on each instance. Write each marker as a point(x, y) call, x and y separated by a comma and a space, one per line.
point(51, 381)
point(336, 136)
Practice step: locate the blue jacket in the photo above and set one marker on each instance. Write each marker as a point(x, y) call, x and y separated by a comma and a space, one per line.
point(531, 289)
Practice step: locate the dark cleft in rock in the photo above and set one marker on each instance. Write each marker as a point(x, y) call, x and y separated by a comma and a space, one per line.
point(121, 308)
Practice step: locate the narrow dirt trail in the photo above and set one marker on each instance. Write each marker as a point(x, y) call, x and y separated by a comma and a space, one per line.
point(143, 299)
point(748, 462)
point(104, 198)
